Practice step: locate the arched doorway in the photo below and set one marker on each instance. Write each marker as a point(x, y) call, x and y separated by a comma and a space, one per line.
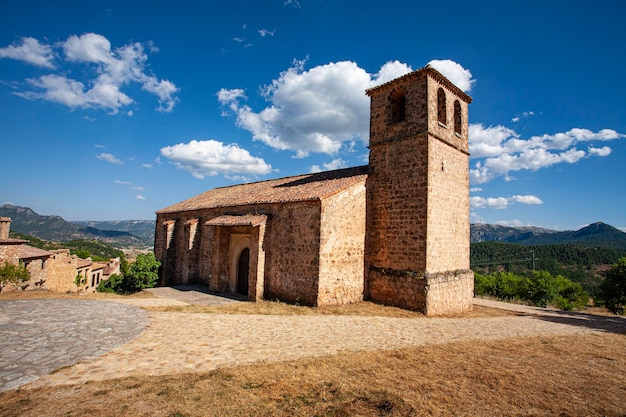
point(243, 268)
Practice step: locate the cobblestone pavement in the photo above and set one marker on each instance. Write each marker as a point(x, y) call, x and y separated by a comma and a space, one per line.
point(40, 336)
point(192, 342)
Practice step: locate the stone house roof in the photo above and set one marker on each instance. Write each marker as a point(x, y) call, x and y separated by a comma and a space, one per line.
point(29, 252)
point(83, 263)
point(11, 241)
point(307, 187)
point(421, 73)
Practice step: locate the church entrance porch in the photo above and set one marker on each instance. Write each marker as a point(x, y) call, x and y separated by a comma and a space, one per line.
point(238, 258)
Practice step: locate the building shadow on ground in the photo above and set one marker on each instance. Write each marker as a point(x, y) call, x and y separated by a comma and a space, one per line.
point(197, 288)
point(610, 324)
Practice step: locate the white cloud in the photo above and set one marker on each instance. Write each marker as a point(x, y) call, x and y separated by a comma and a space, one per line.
point(511, 223)
point(121, 182)
point(140, 197)
point(314, 110)
point(388, 72)
point(137, 188)
point(109, 158)
point(453, 71)
point(491, 202)
point(526, 199)
point(334, 164)
point(149, 166)
point(524, 115)
point(265, 32)
point(31, 52)
point(210, 157)
point(603, 151)
point(503, 202)
point(114, 69)
point(319, 109)
point(475, 190)
point(500, 150)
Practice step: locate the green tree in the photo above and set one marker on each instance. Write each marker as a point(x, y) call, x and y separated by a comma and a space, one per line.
point(112, 284)
point(13, 274)
point(143, 273)
point(613, 289)
point(540, 288)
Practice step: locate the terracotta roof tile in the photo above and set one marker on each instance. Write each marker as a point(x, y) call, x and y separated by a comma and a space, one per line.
point(245, 220)
point(306, 187)
point(83, 263)
point(11, 241)
point(96, 265)
point(28, 252)
point(420, 73)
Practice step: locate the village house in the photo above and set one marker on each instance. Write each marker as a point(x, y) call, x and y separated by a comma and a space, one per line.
point(395, 231)
point(55, 270)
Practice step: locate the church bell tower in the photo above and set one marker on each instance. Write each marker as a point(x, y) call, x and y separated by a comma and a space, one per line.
point(417, 239)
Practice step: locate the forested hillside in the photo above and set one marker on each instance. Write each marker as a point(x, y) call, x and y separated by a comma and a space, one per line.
point(98, 251)
point(581, 264)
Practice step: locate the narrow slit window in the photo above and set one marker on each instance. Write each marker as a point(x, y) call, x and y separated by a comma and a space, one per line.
point(441, 106)
point(398, 106)
point(458, 120)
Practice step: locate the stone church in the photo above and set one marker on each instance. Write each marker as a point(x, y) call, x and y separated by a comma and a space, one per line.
point(395, 231)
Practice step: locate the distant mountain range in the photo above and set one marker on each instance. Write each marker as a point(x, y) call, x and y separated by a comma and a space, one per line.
point(143, 229)
point(141, 232)
point(54, 228)
point(595, 235)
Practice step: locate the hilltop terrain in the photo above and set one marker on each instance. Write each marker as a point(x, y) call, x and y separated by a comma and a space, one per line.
point(54, 228)
point(598, 234)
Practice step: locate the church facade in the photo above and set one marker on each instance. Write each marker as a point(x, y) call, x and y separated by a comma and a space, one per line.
point(395, 231)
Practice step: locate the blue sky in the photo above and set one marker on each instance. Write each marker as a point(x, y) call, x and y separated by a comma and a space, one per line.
point(111, 110)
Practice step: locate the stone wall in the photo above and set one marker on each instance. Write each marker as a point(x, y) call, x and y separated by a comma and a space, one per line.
point(448, 225)
point(417, 241)
point(397, 205)
point(61, 271)
point(10, 251)
point(288, 256)
point(449, 292)
point(433, 294)
point(38, 269)
point(342, 242)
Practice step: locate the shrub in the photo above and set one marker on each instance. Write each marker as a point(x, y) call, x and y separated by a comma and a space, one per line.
point(13, 274)
point(141, 274)
point(613, 289)
point(541, 289)
point(111, 284)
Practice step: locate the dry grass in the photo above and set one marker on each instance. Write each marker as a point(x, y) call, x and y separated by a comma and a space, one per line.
point(38, 294)
point(541, 376)
point(260, 307)
point(364, 308)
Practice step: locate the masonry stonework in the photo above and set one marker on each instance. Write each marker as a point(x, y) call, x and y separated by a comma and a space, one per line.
point(417, 240)
point(395, 231)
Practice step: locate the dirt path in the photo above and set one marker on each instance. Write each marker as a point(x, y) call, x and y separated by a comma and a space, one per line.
point(188, 342)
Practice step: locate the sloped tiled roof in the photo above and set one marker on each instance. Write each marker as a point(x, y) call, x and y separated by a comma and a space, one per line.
point(83, 263)
point(29, 252)
point(427, 70)
point(306, 187)
point(11, 241)
point(245, 220)
point(96, 265)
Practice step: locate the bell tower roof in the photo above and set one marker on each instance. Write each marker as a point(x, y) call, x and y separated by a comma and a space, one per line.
point(422, 72)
